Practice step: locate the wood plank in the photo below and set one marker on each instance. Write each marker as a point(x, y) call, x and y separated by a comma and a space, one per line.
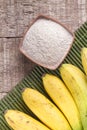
point(13, 65)
point(15, 16)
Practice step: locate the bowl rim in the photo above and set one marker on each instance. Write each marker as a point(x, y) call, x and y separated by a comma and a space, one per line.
point(53, 67)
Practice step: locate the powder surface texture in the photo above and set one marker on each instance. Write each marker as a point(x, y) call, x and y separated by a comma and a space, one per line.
point(46, 42)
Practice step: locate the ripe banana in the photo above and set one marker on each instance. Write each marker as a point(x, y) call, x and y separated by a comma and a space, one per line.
point(63, 99)
point(45, 110)
point(76, 82)
point(20, 121)
point(84, 59)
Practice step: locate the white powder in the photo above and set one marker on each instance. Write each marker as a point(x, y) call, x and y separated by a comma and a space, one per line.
point(46, 42)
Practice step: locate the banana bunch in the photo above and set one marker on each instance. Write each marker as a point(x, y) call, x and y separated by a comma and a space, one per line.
point(68, 108)
point(76, 82)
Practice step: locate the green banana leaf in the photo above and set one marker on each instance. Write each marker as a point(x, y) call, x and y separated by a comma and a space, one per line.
point(13, 100)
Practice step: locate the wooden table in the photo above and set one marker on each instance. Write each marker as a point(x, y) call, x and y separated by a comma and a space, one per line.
point(15, 17)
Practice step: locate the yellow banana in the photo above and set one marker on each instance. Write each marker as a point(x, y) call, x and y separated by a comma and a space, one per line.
point(20, 121)
point(45, 110)
point(84, 59)
point(63, 99)
point(76, 82)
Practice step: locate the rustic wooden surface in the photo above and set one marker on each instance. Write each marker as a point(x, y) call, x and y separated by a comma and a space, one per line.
point(15, 17)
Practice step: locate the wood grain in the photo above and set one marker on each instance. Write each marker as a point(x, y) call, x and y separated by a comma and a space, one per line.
point(15, 17)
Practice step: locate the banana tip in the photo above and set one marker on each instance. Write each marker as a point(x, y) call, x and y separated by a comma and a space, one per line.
point(5, 112)
point(43, 75)
point(23, 90)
